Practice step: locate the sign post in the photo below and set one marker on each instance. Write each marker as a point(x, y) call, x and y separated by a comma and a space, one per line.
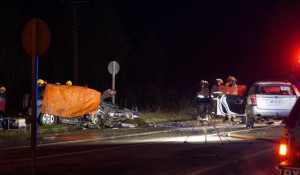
point(113, 68)
point(35, 41)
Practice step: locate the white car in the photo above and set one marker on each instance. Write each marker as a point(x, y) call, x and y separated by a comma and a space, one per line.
point(269, 100)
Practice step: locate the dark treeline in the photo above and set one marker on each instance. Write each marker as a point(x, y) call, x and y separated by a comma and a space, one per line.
point(102, 37)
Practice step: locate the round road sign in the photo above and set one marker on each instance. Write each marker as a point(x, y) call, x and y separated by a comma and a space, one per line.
point(113, 67)
point(35, 37)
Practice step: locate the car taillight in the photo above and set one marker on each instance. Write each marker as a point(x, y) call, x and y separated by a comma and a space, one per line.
point(253, 99)
point(283, 149)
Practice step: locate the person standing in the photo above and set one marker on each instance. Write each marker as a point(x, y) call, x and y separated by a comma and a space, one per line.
point(203, 100)
point(2, 99)
point(216, 88)
point(232, 86)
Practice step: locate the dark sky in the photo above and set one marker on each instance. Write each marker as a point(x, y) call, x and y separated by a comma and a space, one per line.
point(251, 40)
point(159, 43)
point(205, 39)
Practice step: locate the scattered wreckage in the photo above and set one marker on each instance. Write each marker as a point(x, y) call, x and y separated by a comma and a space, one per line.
point(81, 106)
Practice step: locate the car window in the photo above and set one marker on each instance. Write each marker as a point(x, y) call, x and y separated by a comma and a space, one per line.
point(276, 90)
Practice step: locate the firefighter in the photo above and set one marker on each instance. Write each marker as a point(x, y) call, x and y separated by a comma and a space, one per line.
point(41, 91)
point(69, 82)
point(41, 88)
point(203, 100)
point(232, 86)
point(203, 89)
point(216, 88)
point(2, 99)
point(216, 93)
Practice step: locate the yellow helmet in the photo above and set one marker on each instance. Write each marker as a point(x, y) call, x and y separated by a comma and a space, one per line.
point(2, 89)
point(40, 82)
point(69, 82)
point(57, 83)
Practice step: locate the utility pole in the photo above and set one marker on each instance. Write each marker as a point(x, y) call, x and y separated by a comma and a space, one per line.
point(75, 4)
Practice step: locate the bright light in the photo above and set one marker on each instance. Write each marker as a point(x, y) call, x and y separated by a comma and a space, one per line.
point(283, 150)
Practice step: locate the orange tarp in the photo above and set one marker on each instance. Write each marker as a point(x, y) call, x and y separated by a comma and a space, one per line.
point(70, 101)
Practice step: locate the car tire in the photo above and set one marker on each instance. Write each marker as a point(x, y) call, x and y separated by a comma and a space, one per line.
point(95, 121)
point(47, 119)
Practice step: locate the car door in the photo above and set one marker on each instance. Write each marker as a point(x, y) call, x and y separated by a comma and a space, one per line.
point(236, 104)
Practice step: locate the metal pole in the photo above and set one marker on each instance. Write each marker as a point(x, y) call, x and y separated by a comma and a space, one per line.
point(33, 100)
point(75, 46)
point(113, 81)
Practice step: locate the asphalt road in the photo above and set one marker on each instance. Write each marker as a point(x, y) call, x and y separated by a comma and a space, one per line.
point(166, 150)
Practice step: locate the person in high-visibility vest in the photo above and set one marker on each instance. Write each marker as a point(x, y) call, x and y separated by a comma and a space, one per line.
point(232, 86)
point(2, 98)
point(216, 89)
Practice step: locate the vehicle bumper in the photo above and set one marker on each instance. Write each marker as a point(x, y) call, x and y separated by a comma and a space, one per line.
point(289, 167)
point(267, 113)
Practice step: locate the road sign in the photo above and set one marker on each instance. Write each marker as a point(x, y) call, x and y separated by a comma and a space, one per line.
point(113, 67)
point(36, 37)
point(35, 41)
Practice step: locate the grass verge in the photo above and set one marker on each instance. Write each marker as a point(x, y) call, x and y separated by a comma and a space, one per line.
point(146, 118)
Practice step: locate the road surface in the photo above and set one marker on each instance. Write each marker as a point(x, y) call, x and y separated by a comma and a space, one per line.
point(166, 151)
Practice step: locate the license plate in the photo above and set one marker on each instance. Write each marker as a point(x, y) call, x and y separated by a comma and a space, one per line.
point(290, 171)
point(275, 102)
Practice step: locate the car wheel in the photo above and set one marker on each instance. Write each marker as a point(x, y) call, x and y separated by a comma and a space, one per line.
point(47, 119)
point(249, 122)
point(96, 120)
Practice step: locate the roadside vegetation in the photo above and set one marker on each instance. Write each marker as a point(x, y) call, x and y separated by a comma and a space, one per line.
point(148, 118)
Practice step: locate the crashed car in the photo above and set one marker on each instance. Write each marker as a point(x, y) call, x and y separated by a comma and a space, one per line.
point(228, 105)
point(80, 105)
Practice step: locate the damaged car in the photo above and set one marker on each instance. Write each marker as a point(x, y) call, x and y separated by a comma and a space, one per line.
point(81, 106)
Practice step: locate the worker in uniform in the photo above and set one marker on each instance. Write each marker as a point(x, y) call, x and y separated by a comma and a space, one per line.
point(2, 99)
point(216, 90)
point(231, 85)
point(69, 82)
point(216, 93)
point(203, 100)
point(41, 91)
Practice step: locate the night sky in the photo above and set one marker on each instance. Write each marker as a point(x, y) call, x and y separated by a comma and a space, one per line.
point(159, 44)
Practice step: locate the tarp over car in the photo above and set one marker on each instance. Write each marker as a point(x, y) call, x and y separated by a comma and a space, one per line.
point(70, 101)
